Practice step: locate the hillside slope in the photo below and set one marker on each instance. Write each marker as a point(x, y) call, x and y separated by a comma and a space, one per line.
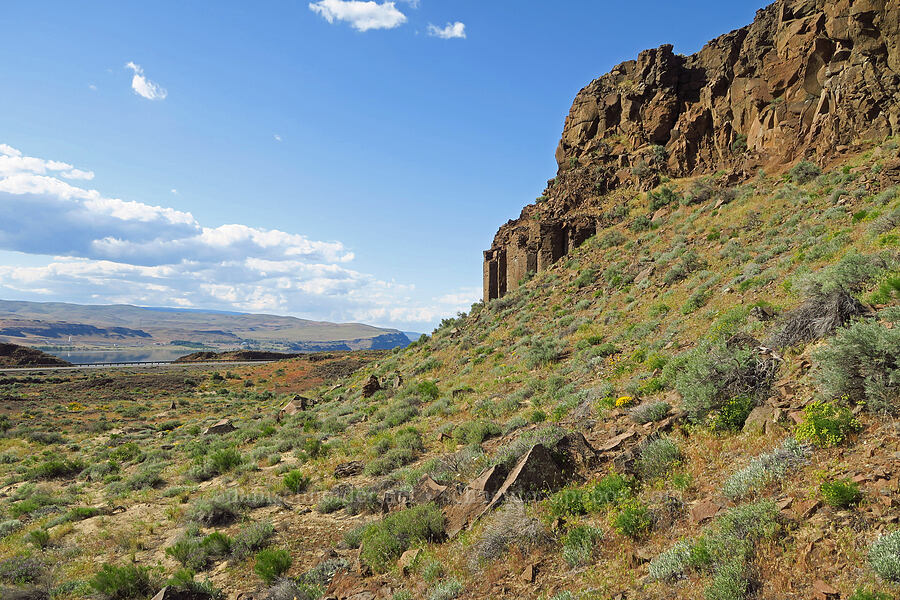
point(699, 399)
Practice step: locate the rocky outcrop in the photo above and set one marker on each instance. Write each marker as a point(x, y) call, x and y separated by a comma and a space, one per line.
point(806, 80)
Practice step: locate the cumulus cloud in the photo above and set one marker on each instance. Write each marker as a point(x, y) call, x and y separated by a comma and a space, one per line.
point(361, 15)
point(144, 87)
point(110, 250)
point(450, 31)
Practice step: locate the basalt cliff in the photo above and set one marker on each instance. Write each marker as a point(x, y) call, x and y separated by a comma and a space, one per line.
point(807, 80)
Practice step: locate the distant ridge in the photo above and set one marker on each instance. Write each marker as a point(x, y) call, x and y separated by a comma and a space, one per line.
point(102, 326)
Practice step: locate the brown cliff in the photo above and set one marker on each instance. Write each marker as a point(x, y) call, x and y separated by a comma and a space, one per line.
point(808, 79)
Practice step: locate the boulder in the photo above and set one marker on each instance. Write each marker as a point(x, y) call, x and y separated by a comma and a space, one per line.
point(172, 593)
point(348, 469)
point(371, 386)
point(222, 427)
point(428, 490)
point(760, 420)
point(408, 560)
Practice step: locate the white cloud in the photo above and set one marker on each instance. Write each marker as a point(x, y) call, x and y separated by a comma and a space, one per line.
point(362, 16)
point(92, 87)
point(78, 174)
point(174, 191)
point(277, 137)
point(450, 31)
point(144, 87)
point(109, 250)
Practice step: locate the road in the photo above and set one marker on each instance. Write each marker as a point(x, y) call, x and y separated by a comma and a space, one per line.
point(143, 365)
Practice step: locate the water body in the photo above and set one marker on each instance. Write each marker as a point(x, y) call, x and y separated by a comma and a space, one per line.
point(93, 357)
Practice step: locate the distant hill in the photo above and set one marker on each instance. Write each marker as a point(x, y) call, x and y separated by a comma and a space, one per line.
point(54, 324)
point(12, 355)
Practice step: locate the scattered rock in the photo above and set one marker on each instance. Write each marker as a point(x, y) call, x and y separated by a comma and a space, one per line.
point(428, 490)
point(529, 574)
point(222, 427)
point(348, 469)
point(172, 593)
point(371, 386)
point(704, 511)
point(760, 420)
point(824, 591)
point(408, 559)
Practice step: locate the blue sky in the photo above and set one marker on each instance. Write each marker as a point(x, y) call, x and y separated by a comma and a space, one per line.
point(332, 160)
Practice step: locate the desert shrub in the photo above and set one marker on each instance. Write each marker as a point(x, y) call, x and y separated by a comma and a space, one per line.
point(226, 507)
point(123, 583)
point(664, 197)
point(826, 424)
point(272, 564)
point(353, 536)
point(884, 556)
point(717, 371)
point(579, 544)
point(689, 262)
point(650, 412)
point(888, 288)
point(585, 278)
point(251, 538)
point(657, 458)
point(296, 481)
point(183, 580)
point(841, 493)
point(671, 563)
point(382, 543)
point(804, 172)
point(542, 351)
point(55, 468)
point(732, 414)
point(288, 589)
point(510, 527)
point(765, 468)
point(475, 432)
point(631, 518)
point(330, 504)
point(862, 362)
point(224, 460)
point(864, 594)
point(9, 526)
point(446, 590)
point(21, 569)
point(39, 538)
point(612, 238)
point(148, 476)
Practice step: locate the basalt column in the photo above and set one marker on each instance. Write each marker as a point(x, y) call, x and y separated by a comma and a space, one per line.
point(494, 274)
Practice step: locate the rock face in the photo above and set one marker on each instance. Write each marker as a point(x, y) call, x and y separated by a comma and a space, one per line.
point(807, 79)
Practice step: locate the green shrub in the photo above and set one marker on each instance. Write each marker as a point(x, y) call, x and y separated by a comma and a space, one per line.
point(862, 362)
point(841, 493)
point(864, 594)
point(567, 502)
point(251, 538)
point(631, 519)
point(272, 564)
point(765, 468)
point(826, 424)
point(475, 432)
point(39, 538)
point(586, 278)
point(296, 481)
point(579, 544)
point(542, 352)
point(22, 569)
point(715, 372)
point(657, 458)
point(225, 460)
point(446, 590)
point(428, 390)
point(330, 504)
point(804, 172)
point(650, 412)
point(55, 468)
point(123, 583)
point(732, 414)
point(884, 556)
point(382, 543)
